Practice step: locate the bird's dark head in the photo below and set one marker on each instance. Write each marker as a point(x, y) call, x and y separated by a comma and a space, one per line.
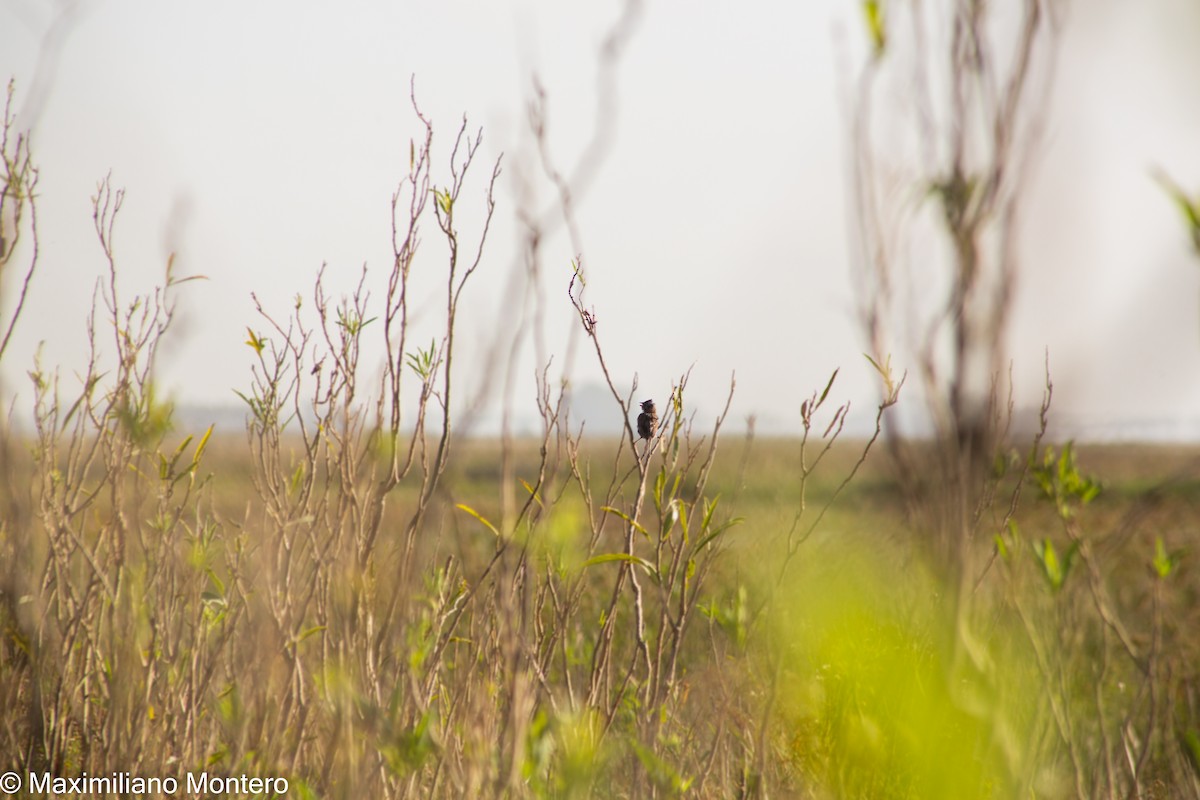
point(648, 406)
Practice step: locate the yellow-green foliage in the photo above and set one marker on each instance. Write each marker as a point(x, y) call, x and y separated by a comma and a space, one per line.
point(878, 697)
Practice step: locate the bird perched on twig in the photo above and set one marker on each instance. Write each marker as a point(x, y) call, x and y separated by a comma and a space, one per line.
point(647, 420)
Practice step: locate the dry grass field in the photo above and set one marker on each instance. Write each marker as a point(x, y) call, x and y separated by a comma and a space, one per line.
point(751, 633)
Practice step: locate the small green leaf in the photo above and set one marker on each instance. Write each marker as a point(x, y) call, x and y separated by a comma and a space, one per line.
point(169, 472)
point(1059, 480)
point(1188, 207)
point(422, 362)
point(533, 492)
point(297, 478)
point(1164, 562)
point(217, 583)
point(200, 447)
point(1001, 547)
point(256, 341)
point(873, 9)
point(479, 517)
point(625, 557)
point(444, 200)
point(304, 635)
point(829, 386)
point(715, 532)
point(709, 508)
point(630, 521)
point(891, 388)
point(669, 518)
point(1054, 569)
point(351, 322)
point(1048, 557)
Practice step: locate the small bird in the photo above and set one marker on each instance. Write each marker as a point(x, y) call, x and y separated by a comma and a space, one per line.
point(647, 420)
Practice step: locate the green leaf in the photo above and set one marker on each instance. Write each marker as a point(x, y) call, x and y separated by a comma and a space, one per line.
point(1187, 206)
point(829, 385)
point(1054, 568)
point(297, 478)
point(532, 492)
point(1050, 565)
point(715, 532)
point(709, 508)
point(479, 517)
point(1001, 547)
point(891, 388)
point(179, 451)
point(672, 514)
point(256, 341)
point(444, 200)
point(873, 10)
point(1059, 479)
point(304, 635)
point(217, 583)
point(200, 447)
point(422, 361)
point(351, 322)
point(625, 557)
point(1048, 557)
point(1164, 562)
point(629, 520)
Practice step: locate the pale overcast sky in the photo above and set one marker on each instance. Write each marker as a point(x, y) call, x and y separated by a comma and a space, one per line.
point(261, 139)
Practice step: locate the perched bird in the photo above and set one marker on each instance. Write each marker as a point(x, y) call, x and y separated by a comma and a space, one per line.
point(647, 420)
